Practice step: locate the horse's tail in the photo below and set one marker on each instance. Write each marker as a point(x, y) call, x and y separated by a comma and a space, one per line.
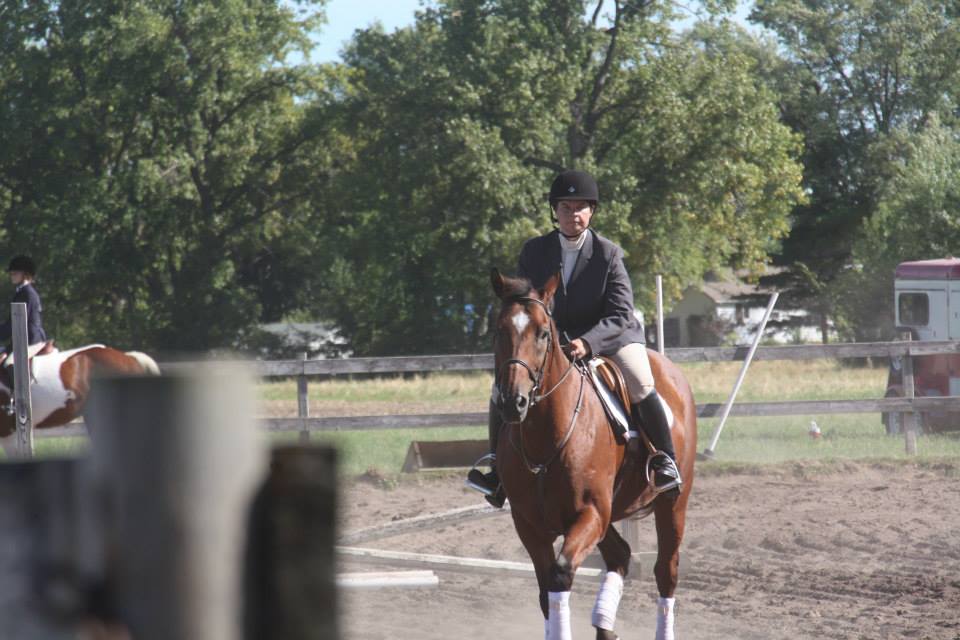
point(149, 364)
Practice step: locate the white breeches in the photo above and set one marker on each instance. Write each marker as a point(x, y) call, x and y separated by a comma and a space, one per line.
point(635, 366)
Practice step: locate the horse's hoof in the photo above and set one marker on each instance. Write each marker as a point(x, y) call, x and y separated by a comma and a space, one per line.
point(604, 634)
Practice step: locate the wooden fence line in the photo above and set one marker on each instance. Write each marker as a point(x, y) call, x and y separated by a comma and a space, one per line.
point(303, 369)
point(707, 410)
point(484, 361)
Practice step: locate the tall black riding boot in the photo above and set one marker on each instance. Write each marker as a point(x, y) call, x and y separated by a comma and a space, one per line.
point(651, 417)
point(489, 483)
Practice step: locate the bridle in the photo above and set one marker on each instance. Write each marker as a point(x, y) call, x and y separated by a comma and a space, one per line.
point(539, 470)
point(535, 375)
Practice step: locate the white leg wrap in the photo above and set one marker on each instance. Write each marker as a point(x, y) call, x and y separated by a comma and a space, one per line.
point(559, 619)
point(665, 619)
point(546, 629)
point(608, 600)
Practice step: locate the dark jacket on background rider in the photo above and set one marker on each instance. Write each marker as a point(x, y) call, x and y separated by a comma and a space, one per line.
point(35, 333)
point(597, 303)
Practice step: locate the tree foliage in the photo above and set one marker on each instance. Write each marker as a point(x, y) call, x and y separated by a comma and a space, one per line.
point(917, 218)
point(156, 158)
point(853, 74)
point(179, 183)
point(458, 123)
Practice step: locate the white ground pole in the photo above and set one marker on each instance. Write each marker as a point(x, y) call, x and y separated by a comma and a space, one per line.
point(23, 409)
point(381, 579)
point(660, 346)
point(709, 452)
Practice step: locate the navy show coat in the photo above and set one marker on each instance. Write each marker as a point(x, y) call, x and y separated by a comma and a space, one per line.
point(35, 333)
point(597, 303)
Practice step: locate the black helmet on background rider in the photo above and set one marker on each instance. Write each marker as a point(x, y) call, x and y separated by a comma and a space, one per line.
point(574, 185)
point(24, 264)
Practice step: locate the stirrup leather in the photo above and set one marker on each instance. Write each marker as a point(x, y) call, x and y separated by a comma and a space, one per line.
point(670, 470)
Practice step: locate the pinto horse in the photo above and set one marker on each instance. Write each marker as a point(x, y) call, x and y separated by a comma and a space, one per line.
point(60, 384)
point(567, 474)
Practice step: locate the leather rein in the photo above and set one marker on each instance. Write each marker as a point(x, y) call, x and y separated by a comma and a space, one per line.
point(537, 377)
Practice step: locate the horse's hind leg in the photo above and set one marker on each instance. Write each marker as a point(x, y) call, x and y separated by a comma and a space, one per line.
point(670, 514)
point(616, 557)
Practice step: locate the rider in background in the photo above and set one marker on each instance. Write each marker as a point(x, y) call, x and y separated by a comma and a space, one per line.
point(22, 271)
point(593, 307)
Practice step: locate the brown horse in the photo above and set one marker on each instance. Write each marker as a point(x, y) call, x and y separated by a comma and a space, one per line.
point(61, 382)
point(567, 474)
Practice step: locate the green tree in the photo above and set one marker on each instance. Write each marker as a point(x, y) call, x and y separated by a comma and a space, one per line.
point(853, 73)
point(917, 218)
point(458, 123)
point(156, 158)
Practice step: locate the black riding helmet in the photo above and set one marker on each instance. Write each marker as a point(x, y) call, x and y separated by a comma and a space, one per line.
point(22, 263)
point(574, 185)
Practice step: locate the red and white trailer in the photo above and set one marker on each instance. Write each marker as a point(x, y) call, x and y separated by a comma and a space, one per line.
point(927, 303)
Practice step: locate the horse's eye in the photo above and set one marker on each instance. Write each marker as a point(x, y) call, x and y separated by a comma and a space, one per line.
point(544, 334)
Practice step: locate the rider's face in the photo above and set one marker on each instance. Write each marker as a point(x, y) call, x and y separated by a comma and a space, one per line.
point(16, 277)
point(574, 216)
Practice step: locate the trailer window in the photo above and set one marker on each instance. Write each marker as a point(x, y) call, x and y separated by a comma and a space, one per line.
point(914, 309)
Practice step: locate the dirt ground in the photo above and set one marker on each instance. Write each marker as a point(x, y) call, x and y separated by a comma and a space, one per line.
point(820, 550)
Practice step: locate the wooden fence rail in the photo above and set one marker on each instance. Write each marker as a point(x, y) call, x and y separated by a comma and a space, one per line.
point(303, 369)
point(484, 361)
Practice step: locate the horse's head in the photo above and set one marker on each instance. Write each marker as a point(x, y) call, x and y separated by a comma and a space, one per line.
point(522, 342)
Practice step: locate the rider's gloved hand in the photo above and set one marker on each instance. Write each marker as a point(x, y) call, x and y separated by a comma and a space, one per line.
point(577, 349)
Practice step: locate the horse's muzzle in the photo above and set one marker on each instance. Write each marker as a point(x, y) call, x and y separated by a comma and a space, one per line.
point(514, 407)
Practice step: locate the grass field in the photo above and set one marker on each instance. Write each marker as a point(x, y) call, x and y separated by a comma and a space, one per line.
point(743, 440)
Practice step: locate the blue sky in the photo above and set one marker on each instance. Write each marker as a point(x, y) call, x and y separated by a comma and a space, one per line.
point(346, 16)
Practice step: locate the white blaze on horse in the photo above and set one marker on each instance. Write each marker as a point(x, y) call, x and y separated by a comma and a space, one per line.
point(60, 383)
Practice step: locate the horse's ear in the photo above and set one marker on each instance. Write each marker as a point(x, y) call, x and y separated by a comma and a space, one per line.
point(496, 279)
point(550, 288)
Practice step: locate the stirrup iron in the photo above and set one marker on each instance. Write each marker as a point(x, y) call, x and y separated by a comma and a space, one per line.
point(475, 478)
point(670, 470)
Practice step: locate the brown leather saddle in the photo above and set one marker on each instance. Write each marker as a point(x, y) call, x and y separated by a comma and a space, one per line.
point(611, 389)
point(609, 373)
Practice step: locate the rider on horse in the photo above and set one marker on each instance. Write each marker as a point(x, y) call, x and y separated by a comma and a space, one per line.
point(22, 270)
point(593, 308)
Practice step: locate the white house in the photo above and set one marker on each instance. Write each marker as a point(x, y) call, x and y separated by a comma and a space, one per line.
point(728, 311)
point(313, 338)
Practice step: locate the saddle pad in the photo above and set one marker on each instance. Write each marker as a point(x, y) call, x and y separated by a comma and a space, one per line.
point(612, 402)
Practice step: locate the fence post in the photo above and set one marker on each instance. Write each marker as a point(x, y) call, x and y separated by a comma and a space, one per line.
point(661, 347)
point(38, 504)
point(910, 418)
point(290, 585)
point(23, 409)
point(303, 402)
point(175, 462)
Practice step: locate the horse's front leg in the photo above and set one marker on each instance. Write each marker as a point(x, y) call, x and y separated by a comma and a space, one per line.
point(670, 514)
point(580, 539)
point(540, 548)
